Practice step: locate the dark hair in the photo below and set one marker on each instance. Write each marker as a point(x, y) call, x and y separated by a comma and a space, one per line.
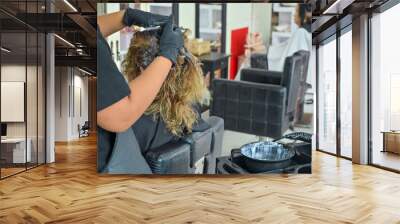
point(304, 18)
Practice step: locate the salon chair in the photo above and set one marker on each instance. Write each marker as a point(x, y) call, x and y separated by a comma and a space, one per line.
point(83, 130)
point(264, 102)
point(254, 74)
point(195, 153)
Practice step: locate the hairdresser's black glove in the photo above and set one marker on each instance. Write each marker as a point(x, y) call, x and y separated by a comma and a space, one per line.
point(143, 19)
point(171, 41)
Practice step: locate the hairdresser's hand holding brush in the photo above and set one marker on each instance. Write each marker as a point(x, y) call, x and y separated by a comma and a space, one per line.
point(171, 41)
point(114, 22)
point(142, 18)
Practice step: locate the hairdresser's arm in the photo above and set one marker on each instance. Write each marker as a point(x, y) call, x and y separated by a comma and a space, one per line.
point(121, 115)
point(111, 23)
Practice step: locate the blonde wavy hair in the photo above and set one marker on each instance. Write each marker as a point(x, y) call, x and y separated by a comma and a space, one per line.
point(183, 88)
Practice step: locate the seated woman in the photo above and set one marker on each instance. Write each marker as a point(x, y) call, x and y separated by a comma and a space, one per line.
point(173, 113)
point(299, 40)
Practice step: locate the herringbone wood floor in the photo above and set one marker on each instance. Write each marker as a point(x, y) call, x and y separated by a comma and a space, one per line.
point(70, 191)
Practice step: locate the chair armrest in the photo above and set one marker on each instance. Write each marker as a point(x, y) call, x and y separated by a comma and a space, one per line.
point(200, 145)
point(180, 157)
point(171, 158)
point(217, 127)
point(261, 76)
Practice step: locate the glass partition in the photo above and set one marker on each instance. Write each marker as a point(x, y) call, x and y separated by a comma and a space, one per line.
point(346, 94)
point(15, 150)
point(327, 97)
point(385, 89)
point(41, 97)
point(22, 88)
point(31, 99)
point(335, 77)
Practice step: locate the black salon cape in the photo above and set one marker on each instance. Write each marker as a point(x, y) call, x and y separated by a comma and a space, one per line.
point(151, 132)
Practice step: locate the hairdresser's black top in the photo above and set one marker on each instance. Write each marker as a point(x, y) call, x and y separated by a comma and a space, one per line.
point(111, 87)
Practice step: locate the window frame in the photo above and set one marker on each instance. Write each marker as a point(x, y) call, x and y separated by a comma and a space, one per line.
point(223, 20)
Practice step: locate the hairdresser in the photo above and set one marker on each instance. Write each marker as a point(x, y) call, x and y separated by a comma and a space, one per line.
point(119, 103)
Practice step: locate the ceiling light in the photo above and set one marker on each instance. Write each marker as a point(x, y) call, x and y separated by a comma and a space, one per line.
point(79, 51)
point(70, 5)
point(5, 50)
point(64, 40)
point(84, 71)
point(337, 7)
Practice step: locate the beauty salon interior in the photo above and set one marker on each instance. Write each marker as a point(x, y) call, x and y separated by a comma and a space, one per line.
point(248, 44)
point(255, 94)
point(327, 83)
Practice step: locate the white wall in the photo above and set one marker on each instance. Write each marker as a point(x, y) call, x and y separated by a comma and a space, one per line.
point(61, 84)
point(261, 20)
point(33, 126)
point(255, 16)
point(12, 73)
point(81, 84)
point(68, 83)
point(238, 15)
point(13, 101)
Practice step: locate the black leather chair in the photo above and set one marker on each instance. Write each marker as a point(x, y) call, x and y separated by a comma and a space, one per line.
point(184, 156)
point(263, 103)
point(255, 74)
point(258, 60)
